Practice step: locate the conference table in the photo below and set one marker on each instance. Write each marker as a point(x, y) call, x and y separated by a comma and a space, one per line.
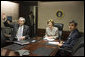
point(32, 47)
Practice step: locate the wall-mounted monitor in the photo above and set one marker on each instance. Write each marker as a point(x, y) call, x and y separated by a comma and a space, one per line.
point(9, 18)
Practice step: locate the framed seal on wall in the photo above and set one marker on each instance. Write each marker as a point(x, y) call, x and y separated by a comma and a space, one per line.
point(59, 13)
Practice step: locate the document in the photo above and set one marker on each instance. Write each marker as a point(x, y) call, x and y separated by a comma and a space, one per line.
point(33, 40)
point(55, 43)
point(46, 38)
point(23, 52)
point(22, 42)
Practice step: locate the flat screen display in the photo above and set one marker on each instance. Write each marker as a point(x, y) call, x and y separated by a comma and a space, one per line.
point(9, 18)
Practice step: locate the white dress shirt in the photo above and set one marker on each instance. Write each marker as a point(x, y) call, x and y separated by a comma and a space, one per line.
point(19, 32)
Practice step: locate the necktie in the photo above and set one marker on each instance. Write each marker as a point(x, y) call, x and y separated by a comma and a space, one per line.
point(70, 34)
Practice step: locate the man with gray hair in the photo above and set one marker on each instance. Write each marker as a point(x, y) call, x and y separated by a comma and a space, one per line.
point(20, 31)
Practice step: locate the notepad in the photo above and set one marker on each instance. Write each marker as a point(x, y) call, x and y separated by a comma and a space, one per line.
point(46, 38)
point(50, 44)
point(55, 43)
point(22, 42)
point(33, 41)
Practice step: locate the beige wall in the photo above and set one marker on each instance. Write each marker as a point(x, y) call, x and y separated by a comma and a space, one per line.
point(73, 10)
point(10, 9)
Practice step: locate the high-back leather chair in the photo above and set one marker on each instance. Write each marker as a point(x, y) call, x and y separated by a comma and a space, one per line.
point(60, 28)
point(79, 52)
point(2, 39)
point(7, 31)
point(78, 45)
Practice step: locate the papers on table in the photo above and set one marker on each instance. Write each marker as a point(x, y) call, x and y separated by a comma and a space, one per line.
point(51, 41)
point(55, 43)
point(33, 40)
point(23, 52)
point(21, 42)
point(46, 38)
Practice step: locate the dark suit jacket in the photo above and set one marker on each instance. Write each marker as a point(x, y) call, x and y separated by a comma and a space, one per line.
point(3, 42)
point(72, 39)
point(15, 29)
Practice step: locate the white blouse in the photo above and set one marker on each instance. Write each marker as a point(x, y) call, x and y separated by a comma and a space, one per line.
point(53, 32)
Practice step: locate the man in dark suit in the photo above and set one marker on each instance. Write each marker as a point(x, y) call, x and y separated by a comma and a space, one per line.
point(20, 31)
point(72, 38)
point(30, 22)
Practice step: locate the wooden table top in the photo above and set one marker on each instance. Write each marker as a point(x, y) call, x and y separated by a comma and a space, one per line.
point(32, 47)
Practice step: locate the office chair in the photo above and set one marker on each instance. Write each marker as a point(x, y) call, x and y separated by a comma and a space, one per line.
point(2, 39)
point(79, 52)
point(78, 45)
point(7, 30)
point(60, 28)
point(7, 33)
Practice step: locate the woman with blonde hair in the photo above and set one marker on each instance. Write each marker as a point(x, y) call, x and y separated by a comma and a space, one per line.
point(51, 31)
